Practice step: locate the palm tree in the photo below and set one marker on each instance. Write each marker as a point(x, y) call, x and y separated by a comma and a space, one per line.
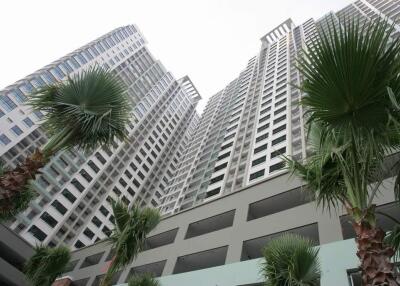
point(128, 237)
point(86, 111)
point(46, 264)
point(291, 260)
point(351, 90)
point(143, 280)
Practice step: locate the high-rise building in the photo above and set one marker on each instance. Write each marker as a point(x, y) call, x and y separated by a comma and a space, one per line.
point(225, 194)
point(75, 189)
point(247, 126)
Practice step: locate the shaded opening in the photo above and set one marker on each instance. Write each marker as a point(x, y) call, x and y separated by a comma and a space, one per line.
point(277, 203)
point(392, 209)
point(92, 260)
point(11, 256)
point(114, 280)
point(210, 224)
point(80, 282)
point(155, 269)
point(201, 260)
point(71, 265)
point(161, 239)
point(252, 248)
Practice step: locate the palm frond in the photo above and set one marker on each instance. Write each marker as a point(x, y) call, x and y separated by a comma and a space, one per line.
point(132, 227)
point(393, 240)
point(46, 264)
point(88, 110)
point(20, 202)
point(291, 260)
point(143, 280)
point(347, 73)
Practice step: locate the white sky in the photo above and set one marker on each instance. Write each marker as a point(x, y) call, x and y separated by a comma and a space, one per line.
point(209, 40)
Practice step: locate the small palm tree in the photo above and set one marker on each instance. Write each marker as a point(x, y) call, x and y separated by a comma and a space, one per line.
point(351, 92)
point(143, 280)
point(86, 111)
point(46, 264)
point(291, 260)
point(128, 237)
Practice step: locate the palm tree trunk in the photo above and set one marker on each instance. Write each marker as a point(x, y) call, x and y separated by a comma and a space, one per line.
point(375, 256)
point(14, 181)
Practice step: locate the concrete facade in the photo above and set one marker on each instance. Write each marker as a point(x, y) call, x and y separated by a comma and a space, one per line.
point(256, 118)
point(14, 251)
point(75, 189)
point(206, 237)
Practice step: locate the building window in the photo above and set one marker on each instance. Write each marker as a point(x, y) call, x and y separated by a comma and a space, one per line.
point(220, 167)
point(7, 103)
point(261, 148)
point(278, 152)
point(59, 207)
point(28, 122)
point(100, 158)
point(88, 233)
point(136, 183)
point(16, 130)
point(104, 211)
point(279, 129)
point(69, 196)
point(87, 177)
point(262, 128)
point(279, 119)
point(278, 140)
point(93, 166)
point(276, 166)
point(262, 137)
point(257, 174)
point(79, 244)
point(223, 156)
point(216, 179)
point(48, 219)
point(78, 185)
point(106, 231)
point(259, 161)
point(4, 139)
point(37, 233)
point(96, 221)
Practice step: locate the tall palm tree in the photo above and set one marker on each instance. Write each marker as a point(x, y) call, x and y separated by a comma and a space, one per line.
point(128, 237)
point(46, 264)
point(351, 92)
point(143, 280)
point(85, 111)
point(291, 260)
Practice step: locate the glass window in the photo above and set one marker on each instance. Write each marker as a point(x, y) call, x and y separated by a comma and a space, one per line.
point(4, 139)
point(37, 233)
point(46, 217)
point(18, 95)
point(59, 207)
point(69, 196)
point(28, 122)
point(78, 185)
point(257, 175)
point(88, 233)
point(7, 103)
point(16, 130)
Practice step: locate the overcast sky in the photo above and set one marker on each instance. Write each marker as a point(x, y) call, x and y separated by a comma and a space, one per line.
point(209, 40)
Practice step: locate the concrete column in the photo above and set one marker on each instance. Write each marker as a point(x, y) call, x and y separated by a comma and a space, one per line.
point(171, 260)
point(235, 246)
point(329, 227)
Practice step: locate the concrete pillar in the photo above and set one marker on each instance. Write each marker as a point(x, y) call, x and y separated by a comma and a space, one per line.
point(171, 260)
point(329, 227)
point(235, 246)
